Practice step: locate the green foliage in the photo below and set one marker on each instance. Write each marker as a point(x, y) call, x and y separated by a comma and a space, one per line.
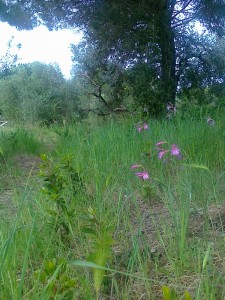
point(146, 89)
point(16, 14)
point(8, 59)
point(170, 294)
point(129, 33)
point(101, 242)
point(62, 186)
point(101, 83)
point(55, 281)
point(167, 240)
point(151, 68)
point(18, 141)
point(199, 103)
point(62, 132)
point(37, 93)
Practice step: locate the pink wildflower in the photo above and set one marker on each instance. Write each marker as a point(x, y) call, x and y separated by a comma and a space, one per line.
point(162, 153)
point(135, 166)
point(144, 175)
point(145, 126)
point(175, 150)
point(159, 144)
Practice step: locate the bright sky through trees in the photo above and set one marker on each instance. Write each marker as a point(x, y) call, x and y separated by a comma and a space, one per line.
point(41, 45)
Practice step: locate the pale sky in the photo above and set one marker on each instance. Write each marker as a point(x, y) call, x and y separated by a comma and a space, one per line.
point(41, 45)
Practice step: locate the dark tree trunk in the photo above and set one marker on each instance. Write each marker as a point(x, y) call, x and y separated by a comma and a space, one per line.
point(168, 52)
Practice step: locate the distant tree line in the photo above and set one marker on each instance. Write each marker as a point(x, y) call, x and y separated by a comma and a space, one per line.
point(37, 93)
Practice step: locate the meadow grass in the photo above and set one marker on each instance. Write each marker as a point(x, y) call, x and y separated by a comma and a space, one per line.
point(18, 141)
point(89, 228)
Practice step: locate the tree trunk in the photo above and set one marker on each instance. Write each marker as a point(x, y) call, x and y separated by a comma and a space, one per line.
point(168, 52)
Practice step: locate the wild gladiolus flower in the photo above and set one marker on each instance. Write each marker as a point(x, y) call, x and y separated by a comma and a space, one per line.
point(135, 166)
point(175, 150)
point(162, 153)
point(144, 127)
point(160, 143)
point(144, 175)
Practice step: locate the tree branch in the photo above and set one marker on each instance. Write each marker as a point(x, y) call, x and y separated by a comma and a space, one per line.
point(182, 9)
point(100, 97)
point(183, 22)
point(99, 87)
point(96, 111)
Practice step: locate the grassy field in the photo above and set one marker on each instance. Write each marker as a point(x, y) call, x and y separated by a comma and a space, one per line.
point(77, 222)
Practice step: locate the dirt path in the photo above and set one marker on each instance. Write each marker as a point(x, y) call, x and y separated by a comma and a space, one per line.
point(23, 169)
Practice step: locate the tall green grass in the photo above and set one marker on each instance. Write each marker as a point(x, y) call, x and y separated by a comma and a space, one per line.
point(18, 141)
point(15, 143)
point(161, 228)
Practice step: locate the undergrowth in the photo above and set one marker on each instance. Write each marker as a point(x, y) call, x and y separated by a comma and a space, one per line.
point(18, 141)
point(91, 227)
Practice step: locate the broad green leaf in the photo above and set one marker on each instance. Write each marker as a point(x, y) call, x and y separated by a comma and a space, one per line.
point(88, 264)
point(169, 294)
point(100, 259)
point(166, 293)
point(53, 277)
point(44, 157)
point(187, 296)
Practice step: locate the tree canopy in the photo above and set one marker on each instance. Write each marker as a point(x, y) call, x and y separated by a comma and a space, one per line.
point(154, 39)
